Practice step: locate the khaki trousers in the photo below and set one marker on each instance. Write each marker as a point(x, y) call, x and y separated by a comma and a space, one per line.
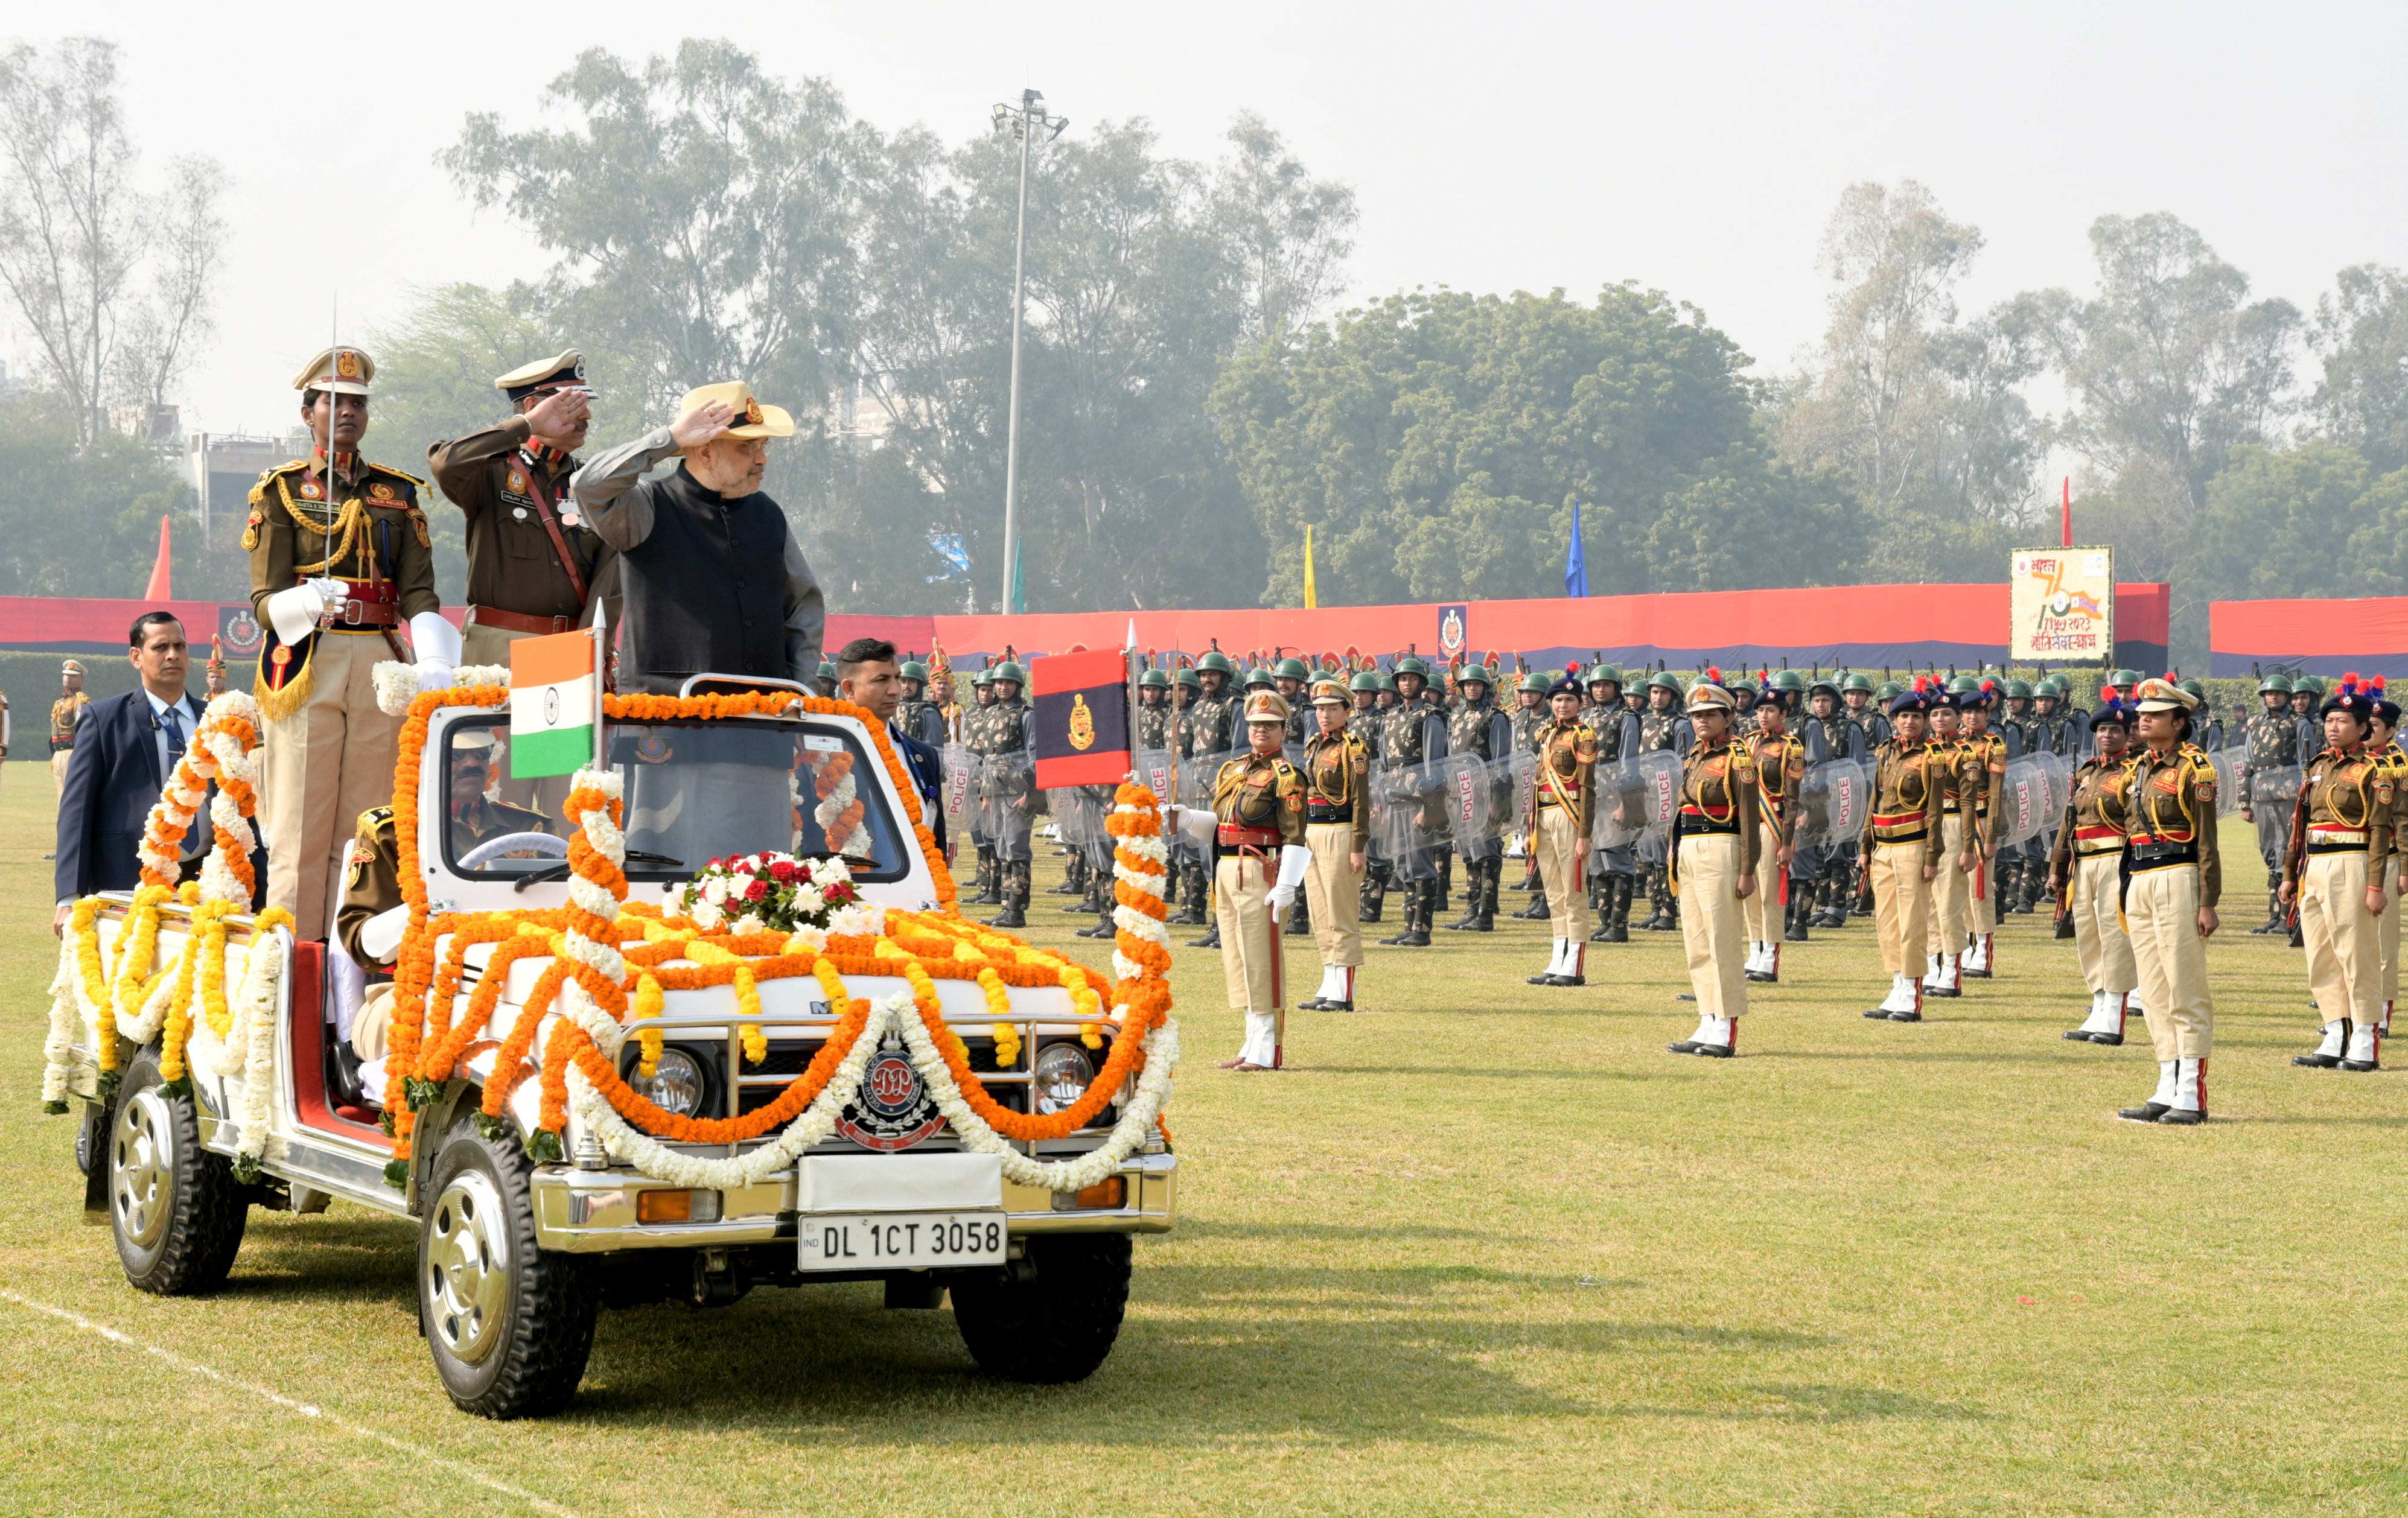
point(1901, 904)
point(483, 645)
point(1250, 950)
point(2388, 929)
point(2099, 938)
point(1951, 892)
point(327, 763)
point(1333, 893)
point(2161, 915)
point(59, 771)
point(1982, 911)
point(1567, 903)
point(2344, 944)
point(1712, 924)
point(1762, 910)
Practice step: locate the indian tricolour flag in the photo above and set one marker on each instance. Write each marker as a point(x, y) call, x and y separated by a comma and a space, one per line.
point(552, 704)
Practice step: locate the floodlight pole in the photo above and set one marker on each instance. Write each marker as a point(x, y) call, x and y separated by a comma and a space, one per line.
point(1024, 119)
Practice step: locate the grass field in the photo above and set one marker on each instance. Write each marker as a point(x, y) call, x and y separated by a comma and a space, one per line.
point(1488, 1248)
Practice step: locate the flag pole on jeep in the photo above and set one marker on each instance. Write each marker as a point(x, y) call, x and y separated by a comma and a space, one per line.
point(601, 664)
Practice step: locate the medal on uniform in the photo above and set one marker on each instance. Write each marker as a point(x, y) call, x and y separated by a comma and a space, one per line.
point(569, 516)
point(310, 488)
point(519, 513)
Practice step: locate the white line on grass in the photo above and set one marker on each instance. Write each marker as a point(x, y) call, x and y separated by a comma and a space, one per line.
point(304, 1409)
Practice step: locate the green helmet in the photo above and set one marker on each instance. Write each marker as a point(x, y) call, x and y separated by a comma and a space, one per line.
point(1821, 683)
point(1533, 682)
point(1388, 684)
point(985, 676)
point(1411, 666)
point(1889, 691)
point(2311, 684)
point(1791, 680)
point(1012, 671)
point(1745, 682)
point(1365, 679)
point(1476, 674)
point(1858, 681)
point(827, 671)
point(1600, 673)
point(1188, 678)
point(914, 670)
point(1962, 684)
point(1154, 678)
point(1662, 681)
point(2195, 688)
point(2124, 678)
point(1293, 667)
point(2019, 690)
point(1215, 660)
point(2275, 682)
point(2051, 687)
point(1258, 677)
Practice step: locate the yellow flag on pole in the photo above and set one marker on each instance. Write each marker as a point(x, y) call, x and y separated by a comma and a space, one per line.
point(1308, 601)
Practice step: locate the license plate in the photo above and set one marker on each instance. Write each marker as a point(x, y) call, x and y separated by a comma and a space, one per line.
point(900, 1241)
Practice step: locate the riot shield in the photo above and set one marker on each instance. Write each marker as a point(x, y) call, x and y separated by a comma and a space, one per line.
point(2272, 794)
point(931, 729)
point(2032, 798)
point(1831, 804)
point(2228, 763)
point(1409, 820)
point(1154, 771)
point(1660, 776)
point(1007, 802)
point(960, 797)
point(1079, 816)
point(1521, 776)
point(1468, 792)
point(1196, 774)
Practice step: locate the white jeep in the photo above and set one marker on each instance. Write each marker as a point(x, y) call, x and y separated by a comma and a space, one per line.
point(516, 1255)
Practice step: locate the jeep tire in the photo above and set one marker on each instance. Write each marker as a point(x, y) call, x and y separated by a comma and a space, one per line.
point(175, 1210)
point(510, 1324)
point(1058, 1322)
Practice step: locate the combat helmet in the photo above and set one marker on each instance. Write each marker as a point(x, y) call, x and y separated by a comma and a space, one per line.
point(1188, 678)
point(1791, 682)
point(2311, 684)
point(1153, 679)
point(1215, 659)
point(1888, 690)
point(1600, 673)
point(1365, 679)
point(1292, 668)
point(1258, 677)
point(1533, 682)
point(914, 670)
point(1009, 669)
point(1859, 680)
point(2274, 680)
point(1663, 681)
point(1409, 665)
point(986, 675)
point(2019, 690)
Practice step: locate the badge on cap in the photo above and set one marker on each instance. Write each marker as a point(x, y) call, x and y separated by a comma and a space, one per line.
point(347, 365)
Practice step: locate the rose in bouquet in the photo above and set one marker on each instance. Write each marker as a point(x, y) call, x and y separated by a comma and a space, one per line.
point(768, 893)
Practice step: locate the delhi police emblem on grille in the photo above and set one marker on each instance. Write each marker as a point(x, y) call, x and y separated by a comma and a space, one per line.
point(893, 1109)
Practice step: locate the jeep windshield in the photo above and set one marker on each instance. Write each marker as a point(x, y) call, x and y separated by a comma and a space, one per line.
point(694, 792)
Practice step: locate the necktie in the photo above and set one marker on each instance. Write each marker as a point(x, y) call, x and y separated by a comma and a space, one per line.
point(171, 720)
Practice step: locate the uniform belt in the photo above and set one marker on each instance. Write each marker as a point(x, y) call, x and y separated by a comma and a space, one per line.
point(367, 606)
point(2333, 841)
point(518, 622)
point(2162, 853)
point(1321, 811)
point(1886, 825)
point(60, 745)
point(1696, 824)
point(2098, 838)
point(1231, 835)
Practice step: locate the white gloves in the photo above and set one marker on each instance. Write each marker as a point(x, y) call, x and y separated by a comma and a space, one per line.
point(438, 643)
point(1196, 822)
point(293, 612)
point(380, 935)
point(1292, 860)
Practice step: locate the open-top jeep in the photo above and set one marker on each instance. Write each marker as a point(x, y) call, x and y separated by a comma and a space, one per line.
point(591, 1098)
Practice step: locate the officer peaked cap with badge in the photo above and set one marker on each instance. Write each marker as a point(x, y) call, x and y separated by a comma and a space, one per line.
point(72, 667)
point(1709, 694)
point(1266, 707)
point(558, 372)
point(345, 371)
point(1328, 692)
point(2162, 695)
point(752, 418)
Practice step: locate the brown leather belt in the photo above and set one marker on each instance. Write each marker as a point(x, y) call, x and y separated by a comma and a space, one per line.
point(518, 622)
point(1234, 836)
point(367, 606)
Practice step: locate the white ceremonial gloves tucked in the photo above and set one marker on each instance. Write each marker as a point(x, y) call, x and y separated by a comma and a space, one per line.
point(1293, 859)
point(380, 935)
point(293, 612)
point(438, 643)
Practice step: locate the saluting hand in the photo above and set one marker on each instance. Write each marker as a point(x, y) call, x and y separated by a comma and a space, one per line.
point(701, 424)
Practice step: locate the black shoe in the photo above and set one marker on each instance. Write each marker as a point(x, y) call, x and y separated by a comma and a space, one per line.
point(1098, 930)
point(1536, 912)
point(1418, 938)
point(2146, 1112)
point(1796, 933)
point(1621, 931)
point(1009, 917)
point(1328, 1006)
point(1603, 934)
point(1878, 1014)
point(2112, 1041)
point(1315, 1005)
point(1542, 977)
point(1065, 889)
point(1483, 924)
point(2182, 1117)
point(1904, 1017)
point(1715, 1051)
point(1209, 941)
point(1931, 991)
point(1762, 976)
point(1183, 918)
point(1687, 1046)
point(2297, 941)
point(1660, 922)
point(2361, 1065)
point(1568, 979)
point(2317, 1062)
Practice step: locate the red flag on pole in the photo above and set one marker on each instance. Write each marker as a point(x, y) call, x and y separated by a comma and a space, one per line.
point(2065, 517)
point(158, 589)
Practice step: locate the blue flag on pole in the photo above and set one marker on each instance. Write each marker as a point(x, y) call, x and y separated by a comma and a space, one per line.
point(1576, 561)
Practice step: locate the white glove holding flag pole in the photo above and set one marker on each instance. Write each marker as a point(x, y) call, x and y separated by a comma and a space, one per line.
point(1292, 860)
point(293, 612)
point(438, 643)
point(1197, 822)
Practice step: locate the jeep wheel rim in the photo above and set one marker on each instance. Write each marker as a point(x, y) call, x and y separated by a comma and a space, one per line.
point(467, 1267)
point(142, 1165)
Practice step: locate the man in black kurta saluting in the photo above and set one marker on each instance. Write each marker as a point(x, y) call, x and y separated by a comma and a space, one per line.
point(712, 579)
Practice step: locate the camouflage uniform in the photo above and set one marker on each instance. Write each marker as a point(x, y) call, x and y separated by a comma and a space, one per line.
point(1400, 747)
point(1366, 723)
point(1207, 726)
point(1662, 731)
point(1470, 730)
point(1612, 873)
point(1826, 738)
point(2273, 741)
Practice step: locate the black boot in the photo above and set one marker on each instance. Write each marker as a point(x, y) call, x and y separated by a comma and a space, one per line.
point(1618, 930)
point(1299, 920)
point(1536, 911)
point(1212, 938)
point(1797, 916)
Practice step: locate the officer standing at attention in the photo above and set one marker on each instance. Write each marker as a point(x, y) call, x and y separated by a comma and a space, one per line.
point(2174, 878)
point(1614, 870)
point(1902, 846)
point(1213, 730)
point(531, 560)
point(1952, 889)
point(1471, 728)
point(1009, 731)
point(1716, 842)
point(2334, 872)
point(1403, 743)
point(1530, 714)
point(1259, 858)
point(1830, 733)
point(2272, 737)
point(1567, 750)
point(1986, 776)
point(340, 558)
point(65, 711)
point(1780, 761)
point(2383, 742)
point(1662, 729)
point(1154, 714)
point(974, 737)
point(1338, 829)
point(2085, 870)
point(2020, 869)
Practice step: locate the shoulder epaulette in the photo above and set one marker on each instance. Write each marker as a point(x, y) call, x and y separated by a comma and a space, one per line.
point(399, 473)
point(373, 820)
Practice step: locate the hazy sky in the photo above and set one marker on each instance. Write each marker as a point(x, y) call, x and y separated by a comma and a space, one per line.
point(1698, 148)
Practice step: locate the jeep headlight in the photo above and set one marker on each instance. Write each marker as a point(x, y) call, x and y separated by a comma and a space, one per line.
point(675, 1085)
point(1063, 1073)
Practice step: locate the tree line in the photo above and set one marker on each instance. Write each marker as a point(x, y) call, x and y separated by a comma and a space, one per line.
point(1191, 403)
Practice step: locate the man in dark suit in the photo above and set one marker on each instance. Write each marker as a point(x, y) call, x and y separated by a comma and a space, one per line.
point(124, 748)
point(867, 675)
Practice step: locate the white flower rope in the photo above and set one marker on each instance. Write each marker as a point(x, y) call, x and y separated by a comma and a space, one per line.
point(397, 683)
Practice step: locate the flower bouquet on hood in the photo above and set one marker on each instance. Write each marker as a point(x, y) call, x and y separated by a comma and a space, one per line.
point(768, 893)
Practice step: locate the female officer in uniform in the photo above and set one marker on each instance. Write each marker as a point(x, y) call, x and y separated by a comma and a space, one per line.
point(2174, 878)
point(1337, 828)
point(2340, 852)
point(1712, 867)
point(2084, 869)
point(1255, 829)
point(1902, 849)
